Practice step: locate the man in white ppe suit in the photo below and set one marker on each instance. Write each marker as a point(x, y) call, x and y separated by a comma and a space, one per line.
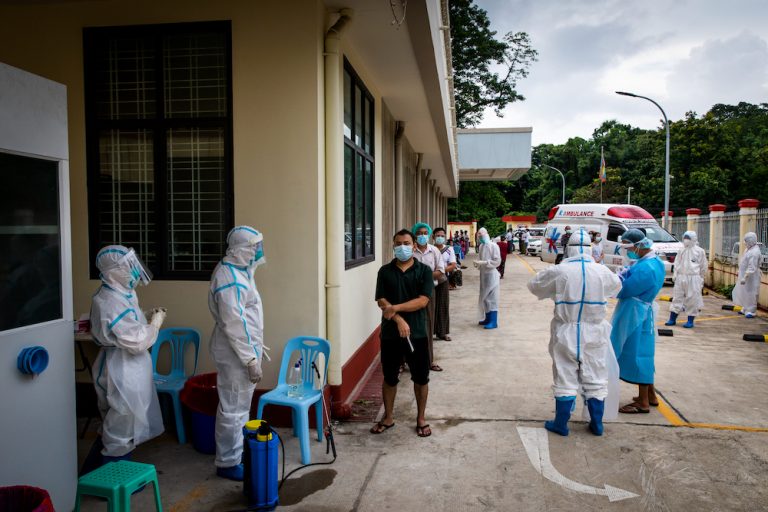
point(580, 336)
point(488, 260)
point(237, 343)
point(125, 389)
point(747, 289)
point(690, 269)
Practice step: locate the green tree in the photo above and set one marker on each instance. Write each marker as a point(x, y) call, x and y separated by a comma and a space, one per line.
point(475, 49)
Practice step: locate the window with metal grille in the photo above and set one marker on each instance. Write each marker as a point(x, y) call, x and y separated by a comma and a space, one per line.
point(359, 233)
point(158, 102)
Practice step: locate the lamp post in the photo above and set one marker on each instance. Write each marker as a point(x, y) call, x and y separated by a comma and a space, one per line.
point(629, 190)
point(561, 175)
point(666, 166)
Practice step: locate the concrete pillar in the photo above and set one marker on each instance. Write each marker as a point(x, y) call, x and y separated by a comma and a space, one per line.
point(747, 218)
point(716, 212)
point(669, 214)
point(693, 218)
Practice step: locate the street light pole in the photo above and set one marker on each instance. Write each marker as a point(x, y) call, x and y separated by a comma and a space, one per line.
point(666, 167)
point(561, 175)
point(629, 190)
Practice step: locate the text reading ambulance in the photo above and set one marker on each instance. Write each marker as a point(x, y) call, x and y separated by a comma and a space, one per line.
point(611, 221)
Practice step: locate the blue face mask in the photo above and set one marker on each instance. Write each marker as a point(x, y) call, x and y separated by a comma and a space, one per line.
point(403, 252)
point(485, 239)
point(439, 240)
point(422, 239)
point(633, 255)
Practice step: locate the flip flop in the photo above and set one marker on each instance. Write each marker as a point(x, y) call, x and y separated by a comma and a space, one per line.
point(633, 409)
point(637, 399)
point(423, 430)
point(379, 428)
point(435, 368)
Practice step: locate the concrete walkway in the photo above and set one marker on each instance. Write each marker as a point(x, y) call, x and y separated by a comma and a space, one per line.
point(705, 448)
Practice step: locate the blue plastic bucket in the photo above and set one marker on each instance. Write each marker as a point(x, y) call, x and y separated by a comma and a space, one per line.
point(203, 432)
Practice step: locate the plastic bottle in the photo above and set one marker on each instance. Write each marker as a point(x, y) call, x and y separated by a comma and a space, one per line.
point(295, 381)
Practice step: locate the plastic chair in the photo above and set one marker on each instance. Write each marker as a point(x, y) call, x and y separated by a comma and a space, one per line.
point(117, 481)
point(173, 382)
point(309, 349)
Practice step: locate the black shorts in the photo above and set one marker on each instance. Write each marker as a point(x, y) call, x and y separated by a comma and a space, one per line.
point(394, 350)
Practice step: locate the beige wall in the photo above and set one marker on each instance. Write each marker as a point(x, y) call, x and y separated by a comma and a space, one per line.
point(278, 153)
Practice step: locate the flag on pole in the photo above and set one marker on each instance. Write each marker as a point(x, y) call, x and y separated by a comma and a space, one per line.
point(603, 176)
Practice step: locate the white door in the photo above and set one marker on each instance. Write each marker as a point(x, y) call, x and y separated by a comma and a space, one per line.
point(37, 425)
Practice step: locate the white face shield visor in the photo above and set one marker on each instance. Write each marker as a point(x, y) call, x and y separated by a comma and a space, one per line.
point(246, 246)
point(138, 272)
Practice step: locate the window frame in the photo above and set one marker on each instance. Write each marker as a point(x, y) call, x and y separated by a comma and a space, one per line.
point(159, 125)
point(369, 126)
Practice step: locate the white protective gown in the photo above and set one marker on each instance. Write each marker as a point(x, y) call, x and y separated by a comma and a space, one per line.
point(745, 295)
point(124, 383)
point(489, 279)
point(580, 335)
point(690, 269)
point(237, 339)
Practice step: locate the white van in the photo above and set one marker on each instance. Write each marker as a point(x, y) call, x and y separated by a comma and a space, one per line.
point(611, 221)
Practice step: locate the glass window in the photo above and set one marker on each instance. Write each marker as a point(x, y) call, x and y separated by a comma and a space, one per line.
point(159, 143)
point(657, 234)
point(359, 239)
point(30, 256)
point(614, 232)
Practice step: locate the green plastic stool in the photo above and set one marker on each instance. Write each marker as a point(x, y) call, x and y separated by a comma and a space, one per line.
point(116, 481)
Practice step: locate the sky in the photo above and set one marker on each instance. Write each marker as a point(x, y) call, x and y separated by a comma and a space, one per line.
point(687, 55)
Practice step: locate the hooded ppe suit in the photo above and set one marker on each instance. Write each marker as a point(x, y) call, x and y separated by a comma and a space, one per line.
point(633, 333)
point(690, 269)
point(747, 288)
point(237, 339)
point(580, 336)
point(488, 260)
point(126, 392)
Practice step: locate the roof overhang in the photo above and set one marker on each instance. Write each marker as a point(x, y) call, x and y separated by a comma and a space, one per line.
point(408, 65)
point(494, 154)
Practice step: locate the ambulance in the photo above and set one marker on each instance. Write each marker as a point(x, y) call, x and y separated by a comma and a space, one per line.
point(611, 221)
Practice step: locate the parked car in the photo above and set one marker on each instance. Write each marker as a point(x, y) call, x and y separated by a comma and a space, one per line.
point(534, 248)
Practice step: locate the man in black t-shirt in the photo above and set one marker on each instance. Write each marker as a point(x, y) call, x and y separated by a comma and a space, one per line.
point(403, 288)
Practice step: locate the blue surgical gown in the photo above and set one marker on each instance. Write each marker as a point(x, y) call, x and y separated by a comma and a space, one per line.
point(634, 332)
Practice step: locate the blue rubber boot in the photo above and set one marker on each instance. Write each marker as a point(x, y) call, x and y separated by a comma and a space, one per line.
point(689, 323)
point(672, 319)
point(596, 408)
point(750, 315)
point(232, 473)
point(563, 407)
point(487, 319)
point(493, 320)
point(106, 458)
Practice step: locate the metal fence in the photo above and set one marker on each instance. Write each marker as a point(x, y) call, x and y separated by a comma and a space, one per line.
point(702, 230)
point(678, 226)
point(761, 228)
point(730, 234)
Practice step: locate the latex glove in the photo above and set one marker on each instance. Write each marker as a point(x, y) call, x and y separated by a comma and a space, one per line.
point(158, 317)
point(254, 371)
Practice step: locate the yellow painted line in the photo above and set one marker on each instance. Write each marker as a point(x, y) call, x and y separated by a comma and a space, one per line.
point(189, 501)
point(670, 414)
point(525, 263)
point(675, 420)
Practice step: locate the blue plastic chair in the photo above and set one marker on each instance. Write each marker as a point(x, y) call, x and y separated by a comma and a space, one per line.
point(178, 338)
point(309, 349)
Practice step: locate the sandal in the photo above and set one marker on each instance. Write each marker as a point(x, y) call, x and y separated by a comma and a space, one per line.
point(379, 427)
point(637, 400)
point(633, 409)
point(423, 430)
point(435, 368)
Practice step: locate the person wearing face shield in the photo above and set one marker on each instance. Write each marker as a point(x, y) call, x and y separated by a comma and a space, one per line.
point(580, 339)
point(747, 289)
point(124, 384)
point(488, 260)
point(690, 269)
point(633, 333)
point(237, 343)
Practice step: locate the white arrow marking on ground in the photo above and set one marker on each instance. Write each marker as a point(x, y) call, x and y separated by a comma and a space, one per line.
point(536, 444)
